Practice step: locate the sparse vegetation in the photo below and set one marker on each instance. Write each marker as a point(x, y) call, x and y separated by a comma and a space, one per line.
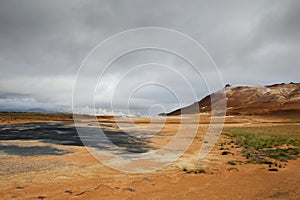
point(194, 171)
point(266, 144)
point(234, 162)
point(233, 168)
point(282, 155)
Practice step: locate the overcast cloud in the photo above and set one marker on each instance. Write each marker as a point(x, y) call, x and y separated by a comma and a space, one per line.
point(42, 45)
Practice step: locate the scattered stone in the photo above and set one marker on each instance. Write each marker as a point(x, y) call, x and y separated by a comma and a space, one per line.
point(273, 170)
point(69, 191)
point(225, 153)
point(196, 171)
point(19, 187)
point(232, 162)
point(129, 189)
point(233, 168)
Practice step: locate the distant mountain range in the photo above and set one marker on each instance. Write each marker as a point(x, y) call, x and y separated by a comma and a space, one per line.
point(40, 110)
point(250, 100)
point(36, 110)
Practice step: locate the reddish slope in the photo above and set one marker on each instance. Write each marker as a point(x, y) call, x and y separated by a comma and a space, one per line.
point(272, 99)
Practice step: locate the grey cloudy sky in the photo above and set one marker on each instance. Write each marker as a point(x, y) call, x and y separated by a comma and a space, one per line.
point(42, 45)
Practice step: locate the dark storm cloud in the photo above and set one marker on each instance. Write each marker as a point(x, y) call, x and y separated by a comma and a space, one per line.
point(42, 43)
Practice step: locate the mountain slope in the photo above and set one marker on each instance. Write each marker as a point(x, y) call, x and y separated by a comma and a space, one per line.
point(248, 100)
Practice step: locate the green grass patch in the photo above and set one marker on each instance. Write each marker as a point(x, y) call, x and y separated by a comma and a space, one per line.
point(264, 143)
point(257, 141)
point(282, 155)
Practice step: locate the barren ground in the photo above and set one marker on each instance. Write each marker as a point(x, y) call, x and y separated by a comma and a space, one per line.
point(78, 175)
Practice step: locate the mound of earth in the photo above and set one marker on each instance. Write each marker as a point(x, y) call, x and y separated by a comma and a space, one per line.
point(250, 100)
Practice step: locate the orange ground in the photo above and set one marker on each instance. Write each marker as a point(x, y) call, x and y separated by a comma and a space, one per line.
point(80, 176)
